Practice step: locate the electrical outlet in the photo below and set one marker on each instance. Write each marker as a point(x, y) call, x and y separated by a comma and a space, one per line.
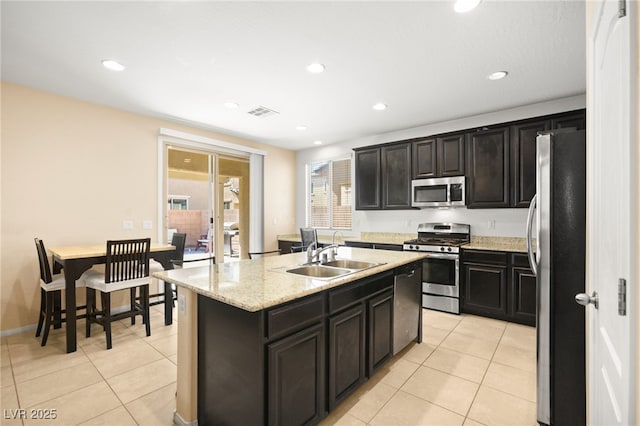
point(127, 224)
point(147, 224)
point(182, 304)
point(491, 224)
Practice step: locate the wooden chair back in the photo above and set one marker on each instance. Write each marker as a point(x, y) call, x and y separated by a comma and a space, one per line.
point(178, 241)
point(127, 259)
point(45, 269)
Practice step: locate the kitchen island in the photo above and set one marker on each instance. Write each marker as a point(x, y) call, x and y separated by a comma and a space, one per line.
point(259, 345)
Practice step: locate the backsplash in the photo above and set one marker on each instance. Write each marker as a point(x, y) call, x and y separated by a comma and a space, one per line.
point(488, 222)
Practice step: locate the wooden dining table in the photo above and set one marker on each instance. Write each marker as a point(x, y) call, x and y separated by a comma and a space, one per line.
point(75, 260)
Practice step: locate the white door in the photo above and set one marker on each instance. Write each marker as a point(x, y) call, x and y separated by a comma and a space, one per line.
point(611, 217)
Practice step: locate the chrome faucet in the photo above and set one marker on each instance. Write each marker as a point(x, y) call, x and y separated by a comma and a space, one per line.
point(315, 255)
point(311, 254)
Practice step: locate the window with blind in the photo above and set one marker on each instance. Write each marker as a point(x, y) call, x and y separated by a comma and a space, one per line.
point(330, 194)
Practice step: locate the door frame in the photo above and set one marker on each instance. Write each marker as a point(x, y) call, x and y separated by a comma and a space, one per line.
point(216, 147)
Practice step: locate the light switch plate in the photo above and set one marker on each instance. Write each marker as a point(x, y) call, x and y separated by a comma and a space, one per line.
point(127, 224)
point(147, 224)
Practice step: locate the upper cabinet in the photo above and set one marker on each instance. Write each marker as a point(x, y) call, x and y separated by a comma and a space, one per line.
point(383, 177)
point(368, 179)
point(438, 157)
point(396, 176)
point(523, 160)
point(499, 163)
point(488, 168)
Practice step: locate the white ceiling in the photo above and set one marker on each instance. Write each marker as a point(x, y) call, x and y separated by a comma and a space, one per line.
point(185, 59)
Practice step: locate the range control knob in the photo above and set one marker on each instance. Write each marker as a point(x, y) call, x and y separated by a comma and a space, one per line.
point(441, 248)
point(449, 249)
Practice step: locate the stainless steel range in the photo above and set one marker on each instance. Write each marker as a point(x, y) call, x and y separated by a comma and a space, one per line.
point(441, 269)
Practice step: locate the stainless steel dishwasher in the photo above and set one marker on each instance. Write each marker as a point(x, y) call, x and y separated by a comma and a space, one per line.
point(407, 310)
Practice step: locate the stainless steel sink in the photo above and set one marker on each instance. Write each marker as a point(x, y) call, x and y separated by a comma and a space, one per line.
point(351, 264)
point(319, 271)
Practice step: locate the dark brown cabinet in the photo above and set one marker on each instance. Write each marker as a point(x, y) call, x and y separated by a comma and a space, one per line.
point(296, 372)
point(424, 158)
point(368, 179)
point(346, 353)
point(485, 290)
point(488, 168)
point(383, 177)
point(499, 285)
point(523, 160)
point(575, 119)
point(522, 290)
point(396, 176)
point(439, 157)
point(380, 326)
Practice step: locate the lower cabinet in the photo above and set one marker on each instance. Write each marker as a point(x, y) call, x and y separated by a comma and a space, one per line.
point(346, 353)
point(499, 285)
point(296, 370)
point(380, 326)
point(293, 363)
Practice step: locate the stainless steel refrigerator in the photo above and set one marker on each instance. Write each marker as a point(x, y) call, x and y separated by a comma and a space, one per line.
point(557, 257)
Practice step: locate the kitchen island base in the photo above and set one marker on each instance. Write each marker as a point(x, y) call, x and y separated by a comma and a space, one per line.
point(293, 363)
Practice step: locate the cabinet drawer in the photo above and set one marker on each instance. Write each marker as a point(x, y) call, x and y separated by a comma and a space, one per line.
point(396, 247)
point(482, 256)
point(344, 297)
point(520, 260)
point(294, 316)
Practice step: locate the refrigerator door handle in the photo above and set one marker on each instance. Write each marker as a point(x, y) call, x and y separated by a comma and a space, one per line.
point(530, 253)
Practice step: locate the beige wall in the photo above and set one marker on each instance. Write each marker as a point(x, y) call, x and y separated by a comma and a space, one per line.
point(72, 171)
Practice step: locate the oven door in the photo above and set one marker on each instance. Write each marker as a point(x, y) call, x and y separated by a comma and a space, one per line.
point(440, 274)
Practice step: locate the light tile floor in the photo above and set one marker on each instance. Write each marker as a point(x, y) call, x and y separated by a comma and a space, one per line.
point(468, 371)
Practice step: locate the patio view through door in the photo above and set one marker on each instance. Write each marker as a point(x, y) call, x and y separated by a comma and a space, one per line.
point(207, 197)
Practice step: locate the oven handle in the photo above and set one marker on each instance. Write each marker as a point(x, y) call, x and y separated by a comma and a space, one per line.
point(452, 256)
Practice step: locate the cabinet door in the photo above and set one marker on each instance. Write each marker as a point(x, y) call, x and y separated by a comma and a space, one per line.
point(424, 158)
point(380, 335)
point(488, 168)
point(296, 378)
point(576, 119)
point(368, 179)
point(485, 290)
point(396, 176)
point(523, 161)
point(523, 296)
point(346, 353)
point(451, 155)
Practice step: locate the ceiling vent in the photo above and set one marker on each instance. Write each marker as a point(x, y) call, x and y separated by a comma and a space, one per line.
point(263, 112)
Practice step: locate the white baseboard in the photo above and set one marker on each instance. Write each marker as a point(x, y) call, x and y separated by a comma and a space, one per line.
point(178, 420)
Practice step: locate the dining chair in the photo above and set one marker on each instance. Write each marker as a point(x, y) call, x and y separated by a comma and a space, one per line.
point(178, 240)
point(307, 236)
point(51, 287)
point(126, 268)
point(258, 254)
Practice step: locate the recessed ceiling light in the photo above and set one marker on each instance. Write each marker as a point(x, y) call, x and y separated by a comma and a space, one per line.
point(462, 6)
point(317, 142)
point(301, 128)
point(380, 106)
point(497, 75)
point(231, 105)
point(315, 68)
point(113, 65)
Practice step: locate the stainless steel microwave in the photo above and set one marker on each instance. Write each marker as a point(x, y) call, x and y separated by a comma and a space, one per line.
point(438, 192)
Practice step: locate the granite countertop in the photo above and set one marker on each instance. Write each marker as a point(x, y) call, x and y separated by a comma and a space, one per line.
point(257, 284)
point(512, 244)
